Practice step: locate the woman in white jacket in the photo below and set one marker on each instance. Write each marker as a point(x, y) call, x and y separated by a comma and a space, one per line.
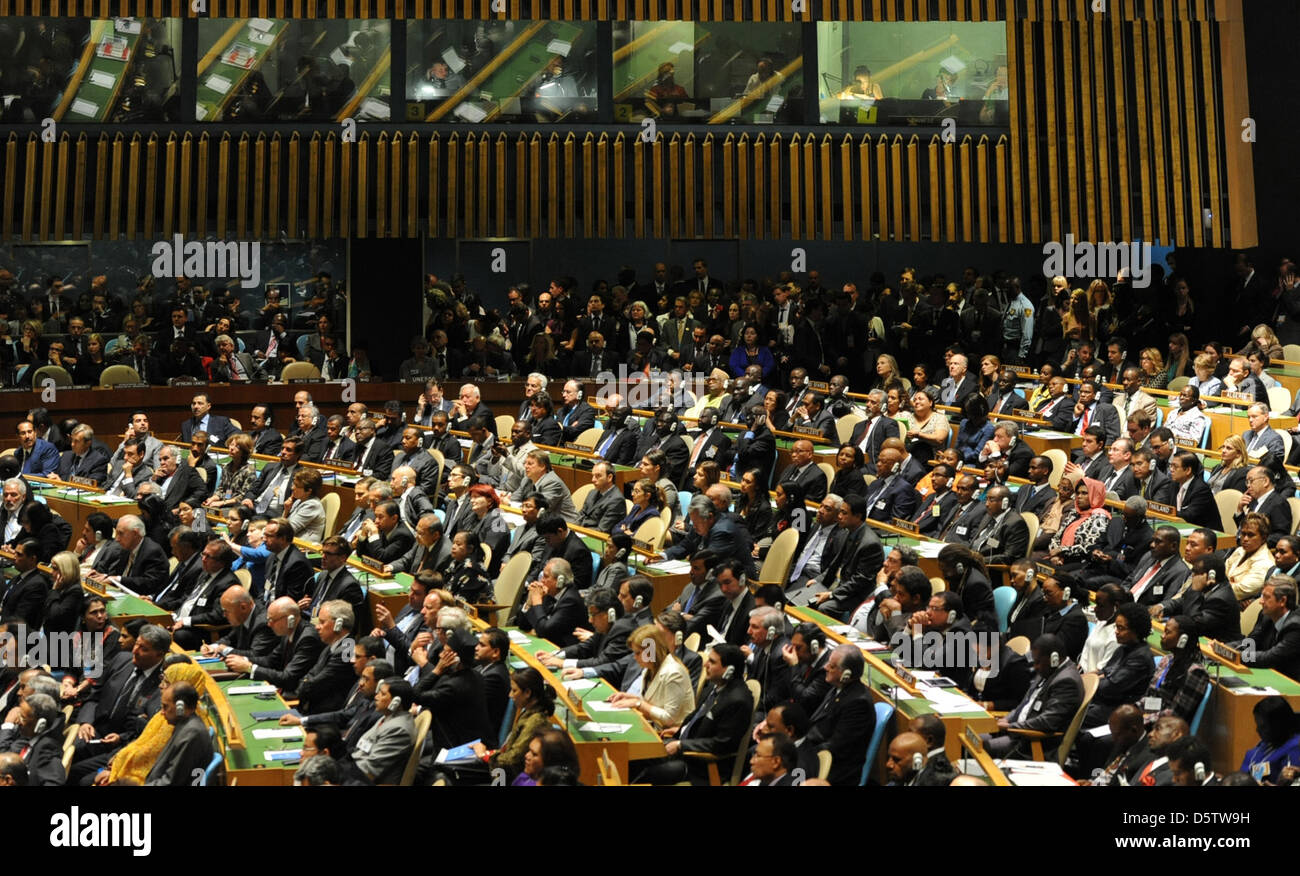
point(666, 693)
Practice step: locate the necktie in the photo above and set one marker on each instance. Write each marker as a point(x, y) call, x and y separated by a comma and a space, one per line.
point(699, 713)
point(76, 465)
point(699, 445)
point(125, 697)
point(130, 561)
point(726, 618)
point(1141, 583)
point(272, 574)
point(236, 370)
point(604, 445)
point(595, 364)
point(1084, 422)
point(812, 549)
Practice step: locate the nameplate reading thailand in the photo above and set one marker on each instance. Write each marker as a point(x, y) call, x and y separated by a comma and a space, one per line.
point(1161, 508)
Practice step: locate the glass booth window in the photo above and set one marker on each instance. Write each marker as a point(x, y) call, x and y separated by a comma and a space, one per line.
point(89, 70)
point(716, 73)
point(265, 70)
point(501, 71)
point(912, 73)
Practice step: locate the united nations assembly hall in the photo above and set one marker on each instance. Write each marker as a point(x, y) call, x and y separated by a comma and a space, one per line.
point(499, 393)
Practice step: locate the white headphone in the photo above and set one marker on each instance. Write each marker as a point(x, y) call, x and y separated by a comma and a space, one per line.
point(918, 761)
point(291, 622)
point(1198, 770)
point(638, 602)
point(678, 638)
point(814, 648)
point(41, 724)
point(771, 633)
point(1054, 660)
point(1210, 576)
point(1182, 642)
point(846, 677)
point(611, 614)
point(729, 673)
point(395, 704)
point(952, 618)
point(338, 624)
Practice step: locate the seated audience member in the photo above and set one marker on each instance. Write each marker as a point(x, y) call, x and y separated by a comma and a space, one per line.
point(534, 701)
point(1180, 680)
point(1274, 643)
point(666, 694)
point(550, 759)
point(382, 752)
point(1130, 750)
point(1049, 704)
point(1279, 741)
point(842, 724)
point(1189, 762)
point(1208, 600)
point(1125, 676)
point(188, 750)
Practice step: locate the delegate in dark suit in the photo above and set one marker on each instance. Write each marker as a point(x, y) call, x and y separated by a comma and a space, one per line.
point(843, 725)
point(93, 465)
point(853, 572)
point(387, 546)
point(1276, 508)
point(1198, 506)
point(602, 510)
point(287, 576)
point(148, 573)
point(253, 639)
point(576, 420)
point(219, 429)
point(267, 442)
point(1213, 609)
point(809, 476)
point(757, 452)
point(325, 686)
point(1005, 540)
point(892, 497)
point(726, 537)
point(928, 519)
point(556, 617)
point(186, 486)
point(459, 708)
point(184, 757)
point(884, 427)
point(1275, 647)
point(717, 726)
point(25, 599)
point(291, 660)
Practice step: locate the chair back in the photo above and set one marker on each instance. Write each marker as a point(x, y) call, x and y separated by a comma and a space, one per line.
point(505, 423)
point(780, 557)
point(1228, 500)
point(60, 376)
point(589, 437)
point(422, 722)
point(1020, 645)
point(299, 371)
point(1090, 682)
point(823, 764)
point(1250, 617)
point(580, 495)
point(652, 532)
point(742, 759)
point(845, 425)
point(1003, 598)
point(1200, 710)
point(1031, 520)
point(510, 582)
point(115, 374)
point(884, 713)
point(331, 502)
point(1058, 458)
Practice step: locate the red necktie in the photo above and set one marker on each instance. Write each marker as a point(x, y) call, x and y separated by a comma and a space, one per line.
point(1142, 582)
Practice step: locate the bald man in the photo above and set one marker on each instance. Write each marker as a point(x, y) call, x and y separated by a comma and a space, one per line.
point(803, 471)
point(249, 635)
point(906, 759)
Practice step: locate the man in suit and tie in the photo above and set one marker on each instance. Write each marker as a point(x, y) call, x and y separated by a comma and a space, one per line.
point(1276, 636)
point(675, 329)
point(1241, 380)
point(1006, 444)
point(1208, 599)
point(604, 505)
point(178, 483)
point(233, 366)
point(756, 448)
point(539, 478)
point(958, 384)
point(936, 507)
point(618, 443)
point(120, 707)
point(717, 532)
point(412, 502)
point(890, 495)
point(1149, 482)
point(718, 726)
point(1059, 407)
point(1009, 400)
point(1050, 703)
point(335, 581)
point(1193, 499)
point(136, 561)
point(818, 551)
point(1133, 399)
point(1004, 537)
point(372, 456)
point(575, 416)
point(325, 686)
point(553, 608)
point(338, 450)
point(596, 359)
point(844, 721)
point(1160, 573)
point(871, 433)
point(852, 573)
point(249, 635)
point(24, 597)
point(967, 518)
point(429, 551)
point(288, 572)
point(36, 455)
point(386, 538)
point(189, 748)
point(202, 606)
point(1089, 412)
point(1092, 455)
point(295, 653)
point(266, 440)
point(187, 548)
point(1121, 480)
point(710, 443)
point(804, 472)
point(1261, 498)
point(1034, 497)
point(1261, 438)
point(84, 460)
point(219, 428)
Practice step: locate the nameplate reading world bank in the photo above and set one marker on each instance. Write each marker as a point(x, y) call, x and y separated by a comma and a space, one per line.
point(306, 380)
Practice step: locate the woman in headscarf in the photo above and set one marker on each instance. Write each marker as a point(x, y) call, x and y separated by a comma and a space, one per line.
point(134, 761)
point(1083, 525)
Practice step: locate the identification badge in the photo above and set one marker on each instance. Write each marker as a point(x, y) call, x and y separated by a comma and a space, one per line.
point(961, 530)
point(1260, 770)
point(936, 511)
point(1152, 704)
point(1038, 706)
point(203, 601)
point(364, 745)
point(993, 542)
point(880, 505)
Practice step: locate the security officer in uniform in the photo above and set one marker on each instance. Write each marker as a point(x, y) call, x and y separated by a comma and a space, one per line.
point(1017, 328)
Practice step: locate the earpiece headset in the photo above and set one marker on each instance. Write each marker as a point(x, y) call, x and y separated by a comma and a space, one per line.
point(561, 581)
point(952, 618)
point(846, 678)
point(896, 468)
point(638, 602)
point(1006, 502)
point(728, 673)
point(1210, 576)
point(918, 761)
point(182, 704)
point(611, 614)
point(99, 536)
point(1054, 660)
point(678, 638)
point(338, 624)
point(771, 633)
point(291, 622)
point(41, 724)
point(814, 648)
point(395, 704)
point(1198, 770)
point(960, 567)
point(1182, 642)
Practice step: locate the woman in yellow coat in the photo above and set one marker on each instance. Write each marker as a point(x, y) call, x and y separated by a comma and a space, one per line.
point(132, 763)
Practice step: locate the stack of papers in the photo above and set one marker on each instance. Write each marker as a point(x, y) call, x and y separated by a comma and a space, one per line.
point(518, 638)
point(602, 706)
point(386, 586)
point(929, 550)
point(595, 727)
point(946, 702)
point(579, 684)
point(249, 689)
point(278, 733)
point(1035, 773)
point(671, 567)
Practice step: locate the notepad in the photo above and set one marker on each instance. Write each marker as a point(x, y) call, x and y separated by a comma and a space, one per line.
point(459, 754)
point(453, 60)
point(219, 84)
point(602, 706)
point(288, 755)
point(596, 727)
point(518, 638)
point(470, 113)
point(262, 24)
point(200, 112)
point(375, 109)
point(277, 733)
point(83, 107)
point(101, 79)
point(559, 47)
point(580, 684)
point(386, 586)
point(249, 689)
point(671, 567)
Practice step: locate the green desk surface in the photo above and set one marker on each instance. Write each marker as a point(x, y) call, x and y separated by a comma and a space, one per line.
point(910, 708)
point(253, 44)
point(1284, 685)
point(515, 76)
point(80, 497)
point(124, 605)
point(253, 754)
point(640, 732)
point(818, 449)
point(94, 101)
